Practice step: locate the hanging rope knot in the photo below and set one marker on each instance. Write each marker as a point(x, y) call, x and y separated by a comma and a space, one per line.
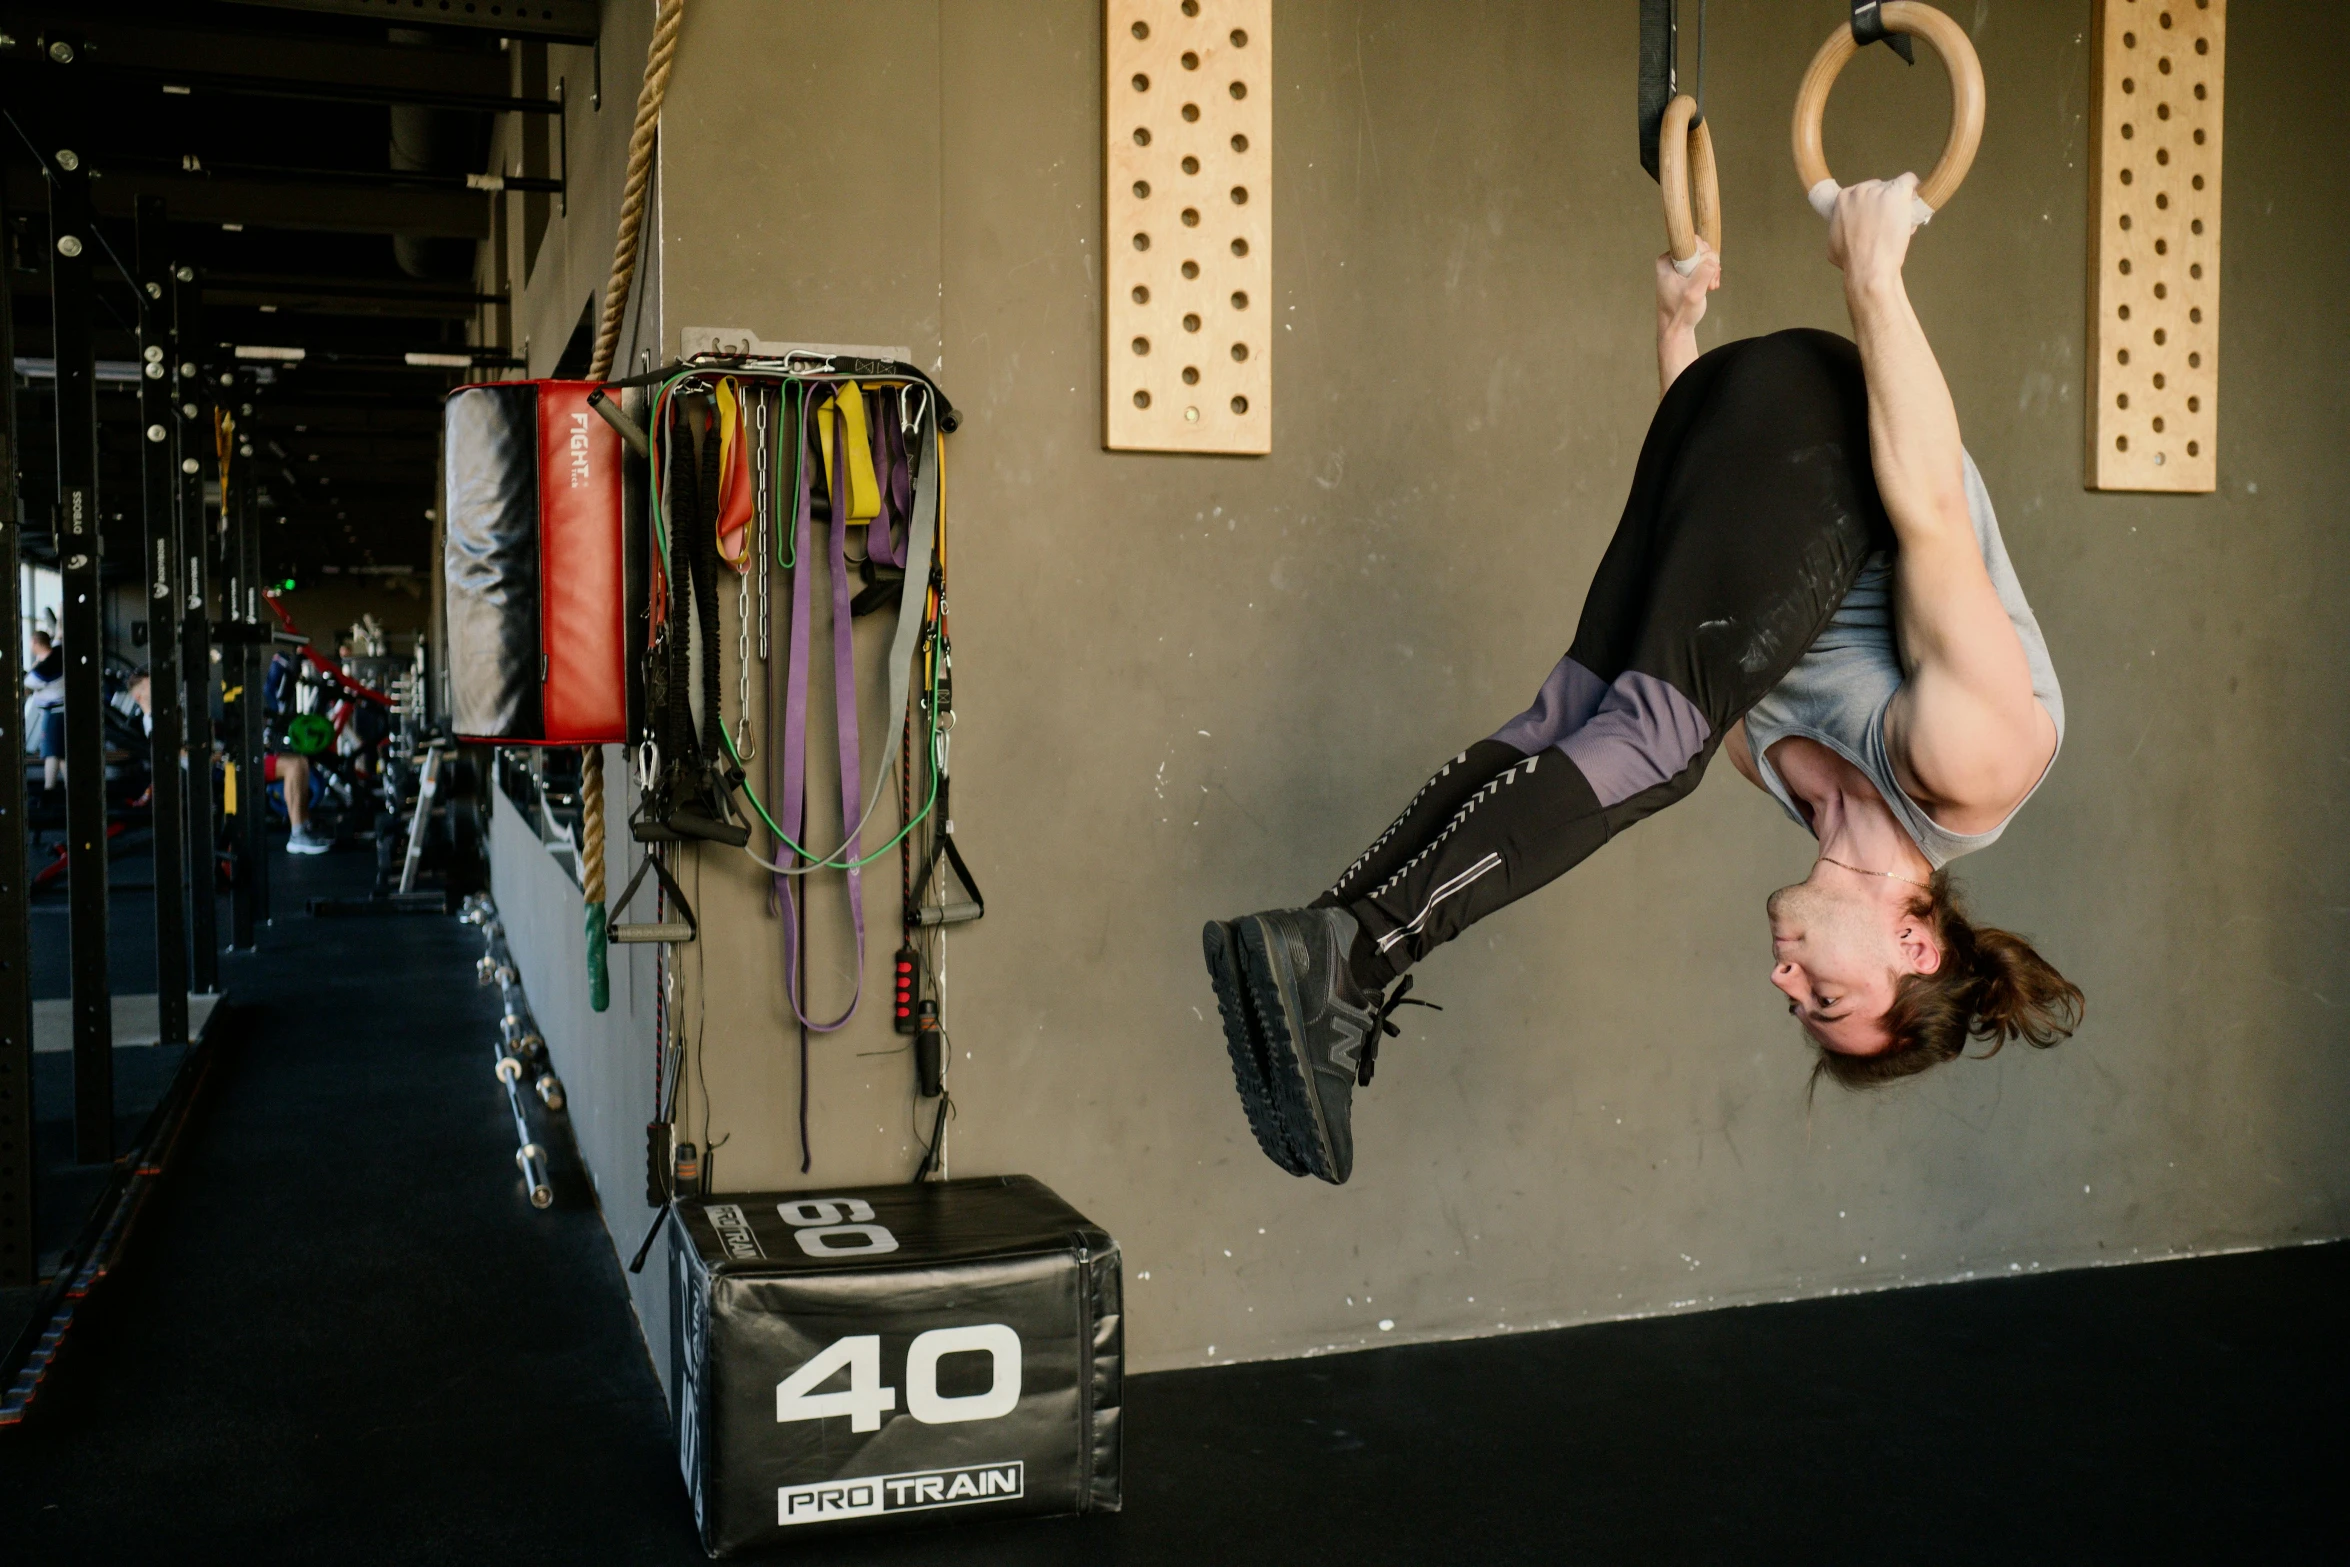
point(1400, 996)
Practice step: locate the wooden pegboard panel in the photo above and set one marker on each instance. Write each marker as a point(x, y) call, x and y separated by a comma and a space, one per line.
point(2156, 104)
point(1188, 123)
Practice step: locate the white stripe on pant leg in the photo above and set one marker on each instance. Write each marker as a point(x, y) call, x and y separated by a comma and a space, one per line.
point(1457, 884)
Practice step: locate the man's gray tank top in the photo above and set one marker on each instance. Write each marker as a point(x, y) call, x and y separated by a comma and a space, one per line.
point(1838, 692)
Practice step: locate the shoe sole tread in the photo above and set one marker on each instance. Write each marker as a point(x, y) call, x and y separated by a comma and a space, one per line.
point(1251, 1072)
point(1277, 1011)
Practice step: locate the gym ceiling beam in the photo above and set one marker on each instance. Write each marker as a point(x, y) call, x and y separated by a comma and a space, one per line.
point(340, 209)
point(295, 285)
point(183, 60)
point(555, 21)
point(186, 165)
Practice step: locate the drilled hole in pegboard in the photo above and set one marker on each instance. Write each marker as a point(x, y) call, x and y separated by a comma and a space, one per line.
point(1188, 197)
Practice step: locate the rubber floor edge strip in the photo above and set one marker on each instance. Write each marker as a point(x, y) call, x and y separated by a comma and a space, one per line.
point(93, 1255)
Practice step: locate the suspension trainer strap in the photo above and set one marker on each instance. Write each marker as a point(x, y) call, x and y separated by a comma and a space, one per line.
point(705, 564)
point(844, 440)
point(885, 544)
point(921, 542)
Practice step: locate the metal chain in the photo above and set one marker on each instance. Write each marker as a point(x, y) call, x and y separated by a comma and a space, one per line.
point(744, 747)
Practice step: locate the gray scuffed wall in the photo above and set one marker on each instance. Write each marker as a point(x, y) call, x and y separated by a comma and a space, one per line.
point(606, 1070)
point(1190, 687)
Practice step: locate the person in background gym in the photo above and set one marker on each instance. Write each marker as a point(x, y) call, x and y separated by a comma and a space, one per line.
point(1807, 574)
point(281, 763)
point(44, 708)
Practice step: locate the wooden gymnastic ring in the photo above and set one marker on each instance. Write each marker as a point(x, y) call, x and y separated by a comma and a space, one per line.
point(1686, 173)
point(1966, 105)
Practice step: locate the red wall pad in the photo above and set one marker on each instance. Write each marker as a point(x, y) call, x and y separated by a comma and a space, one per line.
point(532, 561)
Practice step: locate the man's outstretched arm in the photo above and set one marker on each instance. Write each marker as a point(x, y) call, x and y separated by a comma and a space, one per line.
point(1680, 305)
point(1966, 728)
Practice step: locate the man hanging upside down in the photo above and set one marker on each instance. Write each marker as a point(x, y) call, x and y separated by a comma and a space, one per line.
point(1808, 575)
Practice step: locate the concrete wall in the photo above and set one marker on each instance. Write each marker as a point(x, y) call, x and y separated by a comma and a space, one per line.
point(1190, 687)
point(603, 1058)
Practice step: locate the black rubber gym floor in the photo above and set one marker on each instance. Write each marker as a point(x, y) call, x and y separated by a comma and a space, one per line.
point(341, 1335)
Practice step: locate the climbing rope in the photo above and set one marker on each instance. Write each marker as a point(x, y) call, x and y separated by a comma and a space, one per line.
point(658, 58)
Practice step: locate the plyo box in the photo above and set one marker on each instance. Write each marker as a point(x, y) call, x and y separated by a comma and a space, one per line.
point(892, 1355)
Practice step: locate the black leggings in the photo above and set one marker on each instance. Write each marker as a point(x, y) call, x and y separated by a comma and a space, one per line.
point(1752, 510)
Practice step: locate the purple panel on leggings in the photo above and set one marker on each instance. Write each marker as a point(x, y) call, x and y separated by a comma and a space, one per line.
point(1644, 733)
point(1564, 704)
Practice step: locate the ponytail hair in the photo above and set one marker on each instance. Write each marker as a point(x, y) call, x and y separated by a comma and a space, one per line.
point(1990, 985)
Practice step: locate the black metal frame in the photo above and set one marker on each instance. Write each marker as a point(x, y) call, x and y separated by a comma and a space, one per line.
point(562, 21)
point(73, 249)
point(255, 824)
point(240, 677)
point(20, 1262)
point(191, 447)
point(163, 629)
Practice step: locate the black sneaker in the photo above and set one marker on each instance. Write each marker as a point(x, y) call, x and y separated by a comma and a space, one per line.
point(1320, 1031)
point(1252, 1067)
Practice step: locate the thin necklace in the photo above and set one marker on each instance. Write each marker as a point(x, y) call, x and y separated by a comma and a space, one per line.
point(1888, 875)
